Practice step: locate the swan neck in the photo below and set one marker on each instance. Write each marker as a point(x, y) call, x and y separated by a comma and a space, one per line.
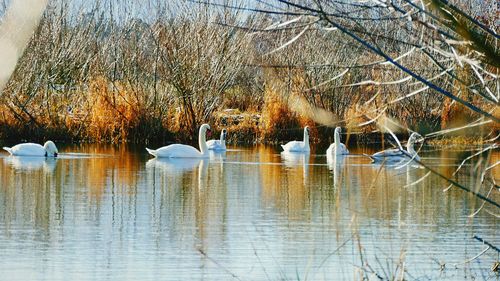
point(202, 142)
point(336, 138)
point(306, 139)
point(409, 147)
point(222, 138)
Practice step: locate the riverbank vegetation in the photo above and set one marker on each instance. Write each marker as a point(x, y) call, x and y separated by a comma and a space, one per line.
point(118, 71)
point(152, 71)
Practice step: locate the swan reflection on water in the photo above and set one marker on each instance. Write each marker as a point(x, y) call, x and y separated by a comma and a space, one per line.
point(335, 160)
point(173, 172)
point(219, 155)
point(24, 163)
point(335, 164)
point(176, 164)
point(294, 159)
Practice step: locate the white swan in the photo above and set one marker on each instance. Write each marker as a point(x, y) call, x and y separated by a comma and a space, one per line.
point(184, 151)
point(298, 146)
point(49, 149)
point(337, 147)
point(398, 155)
point(218, 145)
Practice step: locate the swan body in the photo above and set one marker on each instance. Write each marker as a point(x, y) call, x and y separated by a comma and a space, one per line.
point(182, 150)
point(398, 155)
point(298, 146)
point(218, 145)
point(337, 147)
point(49, 149)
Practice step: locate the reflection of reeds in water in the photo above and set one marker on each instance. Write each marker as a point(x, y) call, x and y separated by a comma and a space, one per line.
point(107, 164)
point(195, 204)
point(448, 162)
point(29, 193)
point(396, 194)
point(270, 175)
point(407, 191)
point(285, 186)
point(495, 172)
point(475, 170)
point(87, 177)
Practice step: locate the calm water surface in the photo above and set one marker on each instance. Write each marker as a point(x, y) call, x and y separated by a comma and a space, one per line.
point(113, 213)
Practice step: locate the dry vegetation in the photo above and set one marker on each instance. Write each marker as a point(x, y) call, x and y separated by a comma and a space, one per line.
point(100, 73)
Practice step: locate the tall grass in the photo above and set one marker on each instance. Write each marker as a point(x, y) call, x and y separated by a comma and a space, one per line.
point(106, 72)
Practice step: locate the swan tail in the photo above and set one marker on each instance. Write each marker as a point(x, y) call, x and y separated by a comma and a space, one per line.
point(151, 151)
point(8, 149)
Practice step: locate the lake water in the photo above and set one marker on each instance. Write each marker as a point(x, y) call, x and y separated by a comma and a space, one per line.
point(113, 213)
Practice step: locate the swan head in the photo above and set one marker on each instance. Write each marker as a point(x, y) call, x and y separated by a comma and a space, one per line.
point(338, 130)
point(224, 134)
point(415, 138)
point(205, 130)
point(306, 131)
point(51, 149)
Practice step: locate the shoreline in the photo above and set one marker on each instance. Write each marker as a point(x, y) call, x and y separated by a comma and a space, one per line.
point(244, 128)
point(372, 138)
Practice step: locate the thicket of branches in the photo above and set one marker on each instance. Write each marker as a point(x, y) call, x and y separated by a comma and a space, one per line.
point(429, 65)
point(121, 70)
point(108, 75)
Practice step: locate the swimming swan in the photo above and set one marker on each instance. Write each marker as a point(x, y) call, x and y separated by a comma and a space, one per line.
point(398, 155)
point(218, 145)
point(49, 149)
point(298, 146)
point(337, 147)
point(182, 150)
